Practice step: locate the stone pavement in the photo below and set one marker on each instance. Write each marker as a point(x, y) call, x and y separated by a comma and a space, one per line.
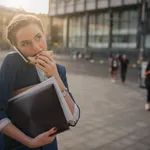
point(112, 115)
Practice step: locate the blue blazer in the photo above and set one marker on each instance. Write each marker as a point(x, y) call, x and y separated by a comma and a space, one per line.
point(16, 74)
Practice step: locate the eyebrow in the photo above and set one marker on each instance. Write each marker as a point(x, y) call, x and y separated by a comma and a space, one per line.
point(24, 41)
point(28, 40)
point(37, 35)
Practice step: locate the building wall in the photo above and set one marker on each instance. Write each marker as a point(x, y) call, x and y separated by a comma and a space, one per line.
point(124, 29)
point(63, 7)
point(101, 26)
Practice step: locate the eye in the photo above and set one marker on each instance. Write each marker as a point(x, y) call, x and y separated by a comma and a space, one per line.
point(38, 37)
point(25, 44)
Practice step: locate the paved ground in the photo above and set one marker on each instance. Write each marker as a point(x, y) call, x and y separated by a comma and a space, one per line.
point(112, 115)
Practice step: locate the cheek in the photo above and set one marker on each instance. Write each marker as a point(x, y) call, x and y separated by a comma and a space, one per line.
point(27, 51)
point(43, 44)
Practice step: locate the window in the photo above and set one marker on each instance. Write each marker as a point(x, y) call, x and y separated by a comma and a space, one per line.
point(77, 31)
point(58, 32)
point(69, 2)
point(79, 1)
point(52, 7)
point(102, 3)
point(125, 29)
point(115, 2)
point(60, 2)
point(124, 20)
point(147, 42)
point(92, 29)
point(99, 30)
point(133, 20)
point(116, 22)
point(148, 21)
point(79, 5)
point(90, 4)
point(52, 3)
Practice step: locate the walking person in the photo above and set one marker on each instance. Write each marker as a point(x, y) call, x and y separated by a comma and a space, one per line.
point(147, 83)
point(124, 63)
point(114, 68)
point(109, 63)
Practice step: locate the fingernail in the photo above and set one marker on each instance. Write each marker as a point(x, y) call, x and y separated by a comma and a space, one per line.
point(55, 129)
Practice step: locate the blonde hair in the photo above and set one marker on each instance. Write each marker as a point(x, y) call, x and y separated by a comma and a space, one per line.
point(18, 22)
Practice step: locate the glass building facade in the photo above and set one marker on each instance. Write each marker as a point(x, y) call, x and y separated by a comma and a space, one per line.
point(99, 26)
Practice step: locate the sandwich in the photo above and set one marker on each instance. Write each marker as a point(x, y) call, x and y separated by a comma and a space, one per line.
point(32, 59)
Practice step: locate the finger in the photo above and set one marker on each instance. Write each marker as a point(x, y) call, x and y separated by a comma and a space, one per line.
point(40, 67)
point(42, 63)
point(51, 138)
point(51, 131)
point(44, 58)
point(47, 55)
point(52, 59)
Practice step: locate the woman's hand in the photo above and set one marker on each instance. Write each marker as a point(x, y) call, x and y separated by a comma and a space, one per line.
point(46, 63)
point(43, 139)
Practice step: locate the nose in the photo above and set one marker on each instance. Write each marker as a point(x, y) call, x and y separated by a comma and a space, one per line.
point(36, 47)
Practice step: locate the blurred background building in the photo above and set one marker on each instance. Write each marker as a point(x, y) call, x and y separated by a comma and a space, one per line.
point(100, 27)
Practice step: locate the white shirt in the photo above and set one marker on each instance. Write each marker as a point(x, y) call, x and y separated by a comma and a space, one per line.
point(42, 77)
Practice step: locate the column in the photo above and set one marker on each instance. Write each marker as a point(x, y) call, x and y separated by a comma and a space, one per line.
point(142, 29)
point(66, 30)
point(50, 34)
point(86, 32)
point(111, 28)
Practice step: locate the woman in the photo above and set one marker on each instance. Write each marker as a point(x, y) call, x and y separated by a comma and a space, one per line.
point(26, 33)
point(147, 82)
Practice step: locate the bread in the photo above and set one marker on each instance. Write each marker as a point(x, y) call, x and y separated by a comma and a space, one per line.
point(32, 59)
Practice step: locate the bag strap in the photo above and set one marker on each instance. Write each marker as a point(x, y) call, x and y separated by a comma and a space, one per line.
point(19, 91)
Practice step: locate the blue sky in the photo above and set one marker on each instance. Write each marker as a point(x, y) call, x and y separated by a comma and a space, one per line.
point(36, 6)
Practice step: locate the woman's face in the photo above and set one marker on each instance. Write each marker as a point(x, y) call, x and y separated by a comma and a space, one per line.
point(30, 40)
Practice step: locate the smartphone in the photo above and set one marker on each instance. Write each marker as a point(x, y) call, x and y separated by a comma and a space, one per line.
point(23, 57)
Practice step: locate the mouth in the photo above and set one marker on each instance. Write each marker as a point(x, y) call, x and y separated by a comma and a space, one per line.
point(38, 53)
point(32, 58)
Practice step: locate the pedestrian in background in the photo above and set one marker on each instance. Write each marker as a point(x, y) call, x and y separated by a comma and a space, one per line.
point(124, 63)
point(114, 68)
point(109, 62)
point(147, 82)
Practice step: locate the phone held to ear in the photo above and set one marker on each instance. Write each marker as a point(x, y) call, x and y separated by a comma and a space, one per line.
point(30, 59)
point(23, 57)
